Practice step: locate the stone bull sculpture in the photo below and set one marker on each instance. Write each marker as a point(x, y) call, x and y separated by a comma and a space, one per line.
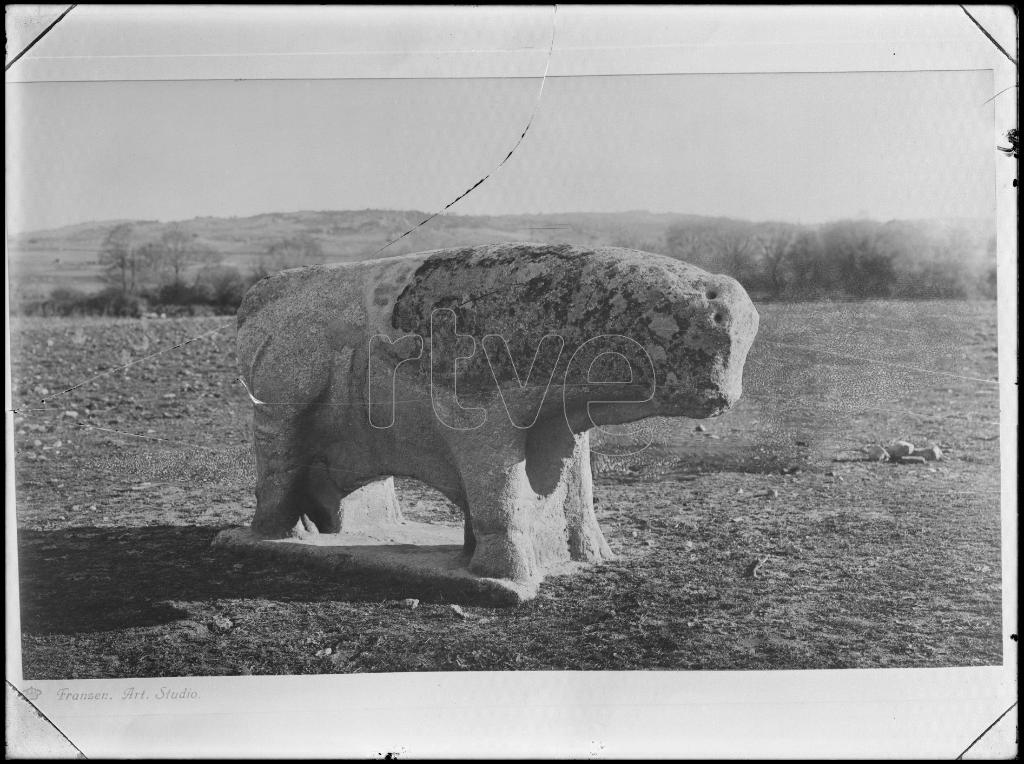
point(479, 371)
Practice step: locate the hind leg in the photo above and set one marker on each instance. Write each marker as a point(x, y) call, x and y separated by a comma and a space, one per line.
point(285, 496)
point(292, 484)
point(371, 506)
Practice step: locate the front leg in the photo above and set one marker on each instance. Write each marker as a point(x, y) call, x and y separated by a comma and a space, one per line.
point(558, 465)
point(519, 532)
point(499, 501)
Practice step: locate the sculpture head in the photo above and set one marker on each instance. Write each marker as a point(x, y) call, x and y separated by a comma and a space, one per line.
point(619, 334)
point(675, 340)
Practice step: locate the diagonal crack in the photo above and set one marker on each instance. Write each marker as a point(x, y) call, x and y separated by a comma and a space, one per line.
point(39, 36)
point(522, 135)
point(991, 39)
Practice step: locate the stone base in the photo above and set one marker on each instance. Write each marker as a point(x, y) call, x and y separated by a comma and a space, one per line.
point(425, 559)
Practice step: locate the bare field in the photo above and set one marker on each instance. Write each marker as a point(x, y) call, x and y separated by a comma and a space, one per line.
point(123, 481)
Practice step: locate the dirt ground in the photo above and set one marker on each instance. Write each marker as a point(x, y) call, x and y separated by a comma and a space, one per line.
point(124, 480)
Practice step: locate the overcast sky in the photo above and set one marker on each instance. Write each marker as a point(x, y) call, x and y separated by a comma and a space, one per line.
point(799, 147)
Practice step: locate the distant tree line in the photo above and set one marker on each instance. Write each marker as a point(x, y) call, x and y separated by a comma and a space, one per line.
point(850, 259)
point(176, 273)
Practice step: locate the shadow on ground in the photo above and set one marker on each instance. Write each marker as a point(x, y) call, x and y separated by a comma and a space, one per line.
point(98, 579)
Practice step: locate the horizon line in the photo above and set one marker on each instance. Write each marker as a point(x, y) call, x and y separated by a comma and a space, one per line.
point(712, 216)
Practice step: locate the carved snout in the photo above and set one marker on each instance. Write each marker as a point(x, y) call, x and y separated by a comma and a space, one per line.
point(733, 311)
point(707, 360)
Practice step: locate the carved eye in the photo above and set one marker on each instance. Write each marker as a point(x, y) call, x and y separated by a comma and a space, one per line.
point(718, 318)
point(712, 295)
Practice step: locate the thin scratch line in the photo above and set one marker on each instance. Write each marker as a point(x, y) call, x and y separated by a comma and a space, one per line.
point(296, 53)
point(529, 122)
point(1008, 87)
point(40, 36)
point(496, 77)
point(867, 328)
point(882, 363)
point(137, 360)
point(163, 440)
point(990, 38)
point(993, 724)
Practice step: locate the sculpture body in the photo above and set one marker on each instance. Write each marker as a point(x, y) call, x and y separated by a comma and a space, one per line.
point(479, 371)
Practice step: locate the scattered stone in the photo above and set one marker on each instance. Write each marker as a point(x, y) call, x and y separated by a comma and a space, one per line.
point(324, 652)
point(899, 449)
point(341, 656)
point(912, 460)
point(931, 454)
point(754, 567)
point(876, 453)
point(462, 613)
point(71, 414)
point(192, 630)
point(410, 603)
point(221, 625)
point(700, 428)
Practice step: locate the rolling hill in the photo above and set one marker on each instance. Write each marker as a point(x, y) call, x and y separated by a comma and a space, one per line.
point(67, 257)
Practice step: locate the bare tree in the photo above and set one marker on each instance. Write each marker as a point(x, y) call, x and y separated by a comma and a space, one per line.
point(290, 253)
point(223, 285)
point(776, 244)
point(177, 249)
point(687, 243)
point(126, 259)
point(736, 252)
point(862, 269)
point(717, 245)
